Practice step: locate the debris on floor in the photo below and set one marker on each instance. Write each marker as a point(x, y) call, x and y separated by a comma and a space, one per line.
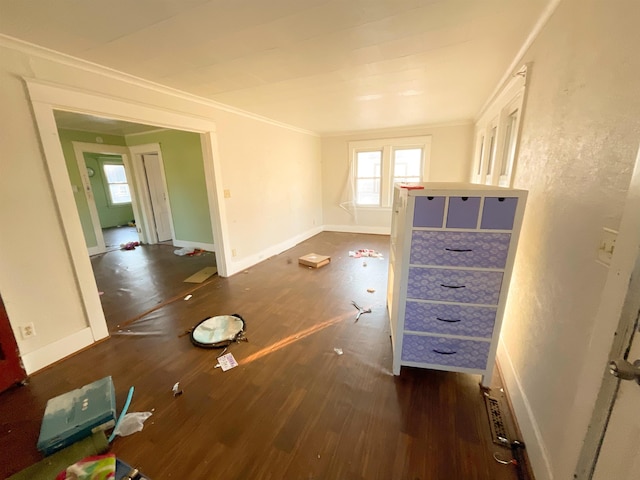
point(365, 253)
point(181, 252)
point(131, 423)
point(360, 310)
point(314, 260)
point(201, 275)
point(338, 351)
point(129, 245)
point(176, 389)
point(188, 297)
point(219, 331)
point(226, 362)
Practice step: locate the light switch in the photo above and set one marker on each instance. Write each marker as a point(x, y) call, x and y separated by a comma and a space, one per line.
point(227, 193)
point(607, 246)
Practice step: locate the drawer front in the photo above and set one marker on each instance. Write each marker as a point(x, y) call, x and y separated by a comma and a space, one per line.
point(498, 213)
point(463, 212)
point(452, 352)
point(460, 249)
point(458, 286)
point(450, 319)
point(428, 212)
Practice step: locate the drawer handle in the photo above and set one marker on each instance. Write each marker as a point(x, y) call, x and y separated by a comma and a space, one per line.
point(452, 286)
point(448, 320)
point(444, 353)
point(459, 249)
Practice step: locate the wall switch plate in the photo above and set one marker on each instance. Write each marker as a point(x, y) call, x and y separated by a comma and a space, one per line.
point(27, 331)
point(607, 246)
point(227, 194)
point(233, 252)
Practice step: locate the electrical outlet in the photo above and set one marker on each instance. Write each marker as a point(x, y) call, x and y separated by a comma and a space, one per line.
point(233, 252)
point(28, 331)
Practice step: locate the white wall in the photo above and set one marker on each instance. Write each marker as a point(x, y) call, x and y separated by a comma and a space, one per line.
point(580, 135)
point(450, 162)
point(271, 171)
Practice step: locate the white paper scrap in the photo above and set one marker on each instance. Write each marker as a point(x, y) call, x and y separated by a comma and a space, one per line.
point(227, 362)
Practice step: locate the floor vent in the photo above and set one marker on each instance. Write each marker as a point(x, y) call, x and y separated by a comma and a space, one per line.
point(496, 421)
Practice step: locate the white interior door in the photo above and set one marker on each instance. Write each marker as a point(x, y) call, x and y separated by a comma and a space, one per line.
point(620, 452)
point(158, 195)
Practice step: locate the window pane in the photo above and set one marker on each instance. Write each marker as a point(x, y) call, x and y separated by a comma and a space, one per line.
point(369, 164)
point(368, 191)
point(120, 193)
point(509, 142)
point(368, 173)
point(407, 163)
point(492, 150)
point(115, 173)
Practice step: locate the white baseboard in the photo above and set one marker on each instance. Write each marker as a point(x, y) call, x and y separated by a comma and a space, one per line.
point(45, 356)
point(94, 250)
point(357, 229)
point(209, 247)
point(247, 262)
point(536, 449)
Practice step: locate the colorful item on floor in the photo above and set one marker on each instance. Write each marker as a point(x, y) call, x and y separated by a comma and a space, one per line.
point(97, 467)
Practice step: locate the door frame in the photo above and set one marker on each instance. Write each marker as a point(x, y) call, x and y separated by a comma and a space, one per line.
point(80, 148)
point(615, 324)
point(142, 188)
point(47, 97)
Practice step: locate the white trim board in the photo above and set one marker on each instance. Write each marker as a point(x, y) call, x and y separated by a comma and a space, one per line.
point(45, 356)
point(209, 247)
point(533, 439)
point(265, 254)
point(59, 57)
point(357, 229)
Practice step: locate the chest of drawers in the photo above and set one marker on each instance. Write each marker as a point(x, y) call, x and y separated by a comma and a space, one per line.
point(451, 256)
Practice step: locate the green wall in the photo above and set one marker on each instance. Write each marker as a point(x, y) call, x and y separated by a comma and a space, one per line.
point(184, 170)
point(66, 137)
point(110, 215)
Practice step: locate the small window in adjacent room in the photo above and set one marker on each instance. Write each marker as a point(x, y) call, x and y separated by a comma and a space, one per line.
point(377, 164)
point(499, 123)
point(116, 178)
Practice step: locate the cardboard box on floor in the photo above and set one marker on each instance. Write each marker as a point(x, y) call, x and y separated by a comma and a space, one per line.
point(314, 260)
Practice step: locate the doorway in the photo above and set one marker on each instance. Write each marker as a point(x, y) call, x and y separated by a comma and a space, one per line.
point(11, 369)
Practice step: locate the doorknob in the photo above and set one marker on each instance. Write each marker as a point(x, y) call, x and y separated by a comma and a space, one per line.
point(625, 370)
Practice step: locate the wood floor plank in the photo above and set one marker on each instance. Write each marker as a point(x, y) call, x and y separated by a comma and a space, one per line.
point(293, 408)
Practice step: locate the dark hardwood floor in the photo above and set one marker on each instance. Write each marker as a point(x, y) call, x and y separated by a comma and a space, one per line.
point(293, 408)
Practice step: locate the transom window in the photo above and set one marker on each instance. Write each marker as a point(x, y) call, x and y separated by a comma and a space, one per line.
point(378, 164)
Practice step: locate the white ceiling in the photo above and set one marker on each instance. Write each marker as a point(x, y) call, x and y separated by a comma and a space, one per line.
point(323, 65)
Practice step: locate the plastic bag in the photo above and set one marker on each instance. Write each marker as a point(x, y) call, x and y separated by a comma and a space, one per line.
point(131, 423)
point(183, 251)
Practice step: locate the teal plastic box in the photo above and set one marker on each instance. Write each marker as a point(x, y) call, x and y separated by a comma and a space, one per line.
point(75, 415)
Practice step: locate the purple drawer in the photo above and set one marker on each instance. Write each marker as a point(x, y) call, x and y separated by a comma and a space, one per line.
point(457, 286)
point(463, 212)
point(460, 249)
point(498, 213)
point(450, 319)
point(452, 352)
point(428, 212)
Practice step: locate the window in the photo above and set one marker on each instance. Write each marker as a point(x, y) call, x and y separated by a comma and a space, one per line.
point(497, 134)
point(118, 187)
point(368, 176)
point(378, 164)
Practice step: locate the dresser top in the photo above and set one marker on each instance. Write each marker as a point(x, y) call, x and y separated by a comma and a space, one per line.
point(459, 188)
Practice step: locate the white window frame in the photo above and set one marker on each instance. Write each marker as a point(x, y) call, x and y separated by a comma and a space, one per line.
point(487, 168)
point(388, 146)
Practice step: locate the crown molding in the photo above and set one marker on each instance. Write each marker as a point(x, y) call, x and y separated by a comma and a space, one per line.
point(393, 130)
point(33, 49)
